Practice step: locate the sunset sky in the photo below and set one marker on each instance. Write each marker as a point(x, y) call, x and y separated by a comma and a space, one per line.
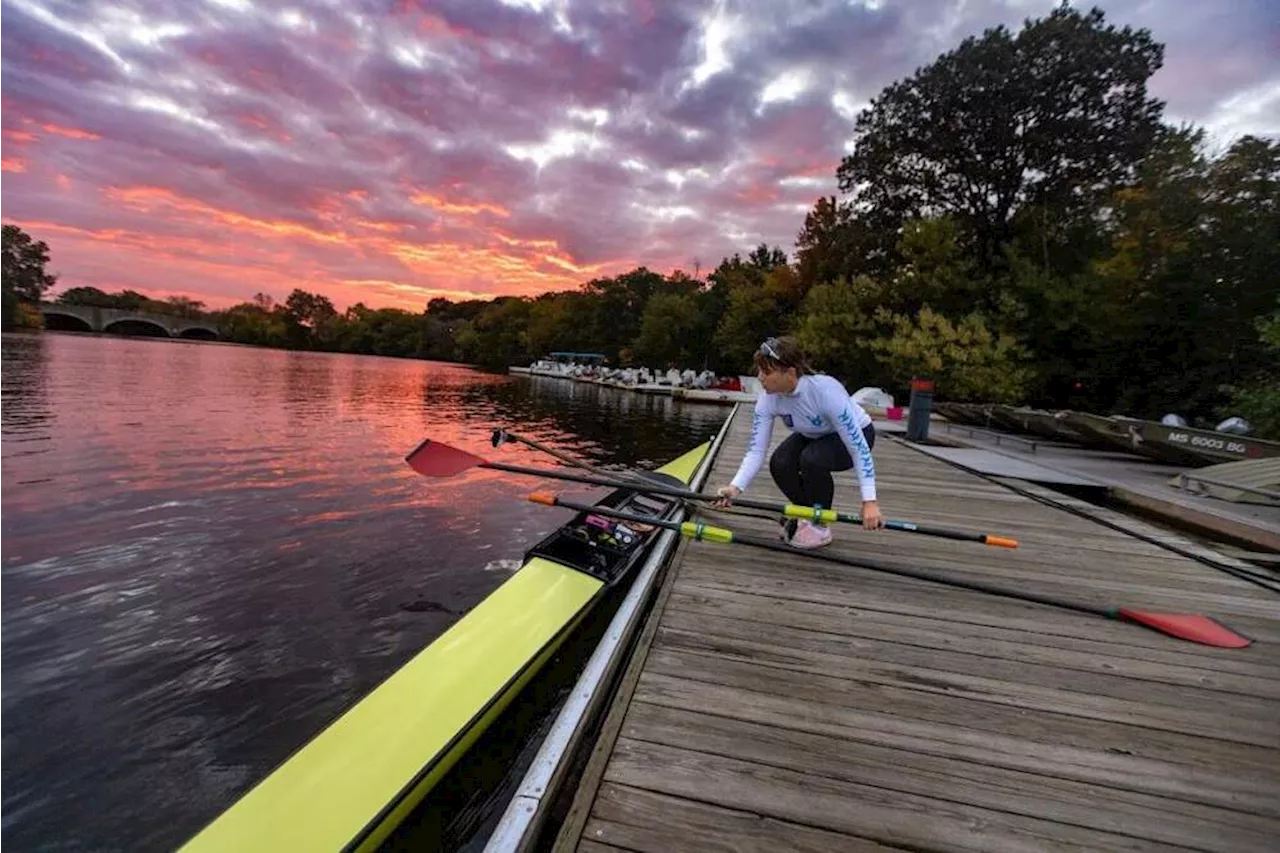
point(390, 151)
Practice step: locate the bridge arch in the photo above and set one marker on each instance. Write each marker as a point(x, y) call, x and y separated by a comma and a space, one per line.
point(136, 327)
point(58, 321)
point(62, 316)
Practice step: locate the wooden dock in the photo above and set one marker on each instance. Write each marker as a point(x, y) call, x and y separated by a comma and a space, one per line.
point(1134, 480)
point(777, 703)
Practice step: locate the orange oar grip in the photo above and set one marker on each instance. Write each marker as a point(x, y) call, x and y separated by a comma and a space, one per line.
point(1000, 541)
point(548, 498)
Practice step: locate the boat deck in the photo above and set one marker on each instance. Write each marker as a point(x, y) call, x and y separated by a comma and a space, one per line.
point(776, 703)
point(1135, 480)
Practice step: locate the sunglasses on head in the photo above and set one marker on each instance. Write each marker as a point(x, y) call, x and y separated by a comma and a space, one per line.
point(769, 348)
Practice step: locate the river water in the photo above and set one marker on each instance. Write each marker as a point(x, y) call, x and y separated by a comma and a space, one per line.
point(207, 550)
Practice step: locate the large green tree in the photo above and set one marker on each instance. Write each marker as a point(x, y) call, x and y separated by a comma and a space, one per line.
point(22, 272)
point(311, 318)
point(1055, 116)
point(968, 359)
point(669, 332)
point(555, 322)
point(838, 241)
point(835, 326)
point(618, 305)
point(1258, 398)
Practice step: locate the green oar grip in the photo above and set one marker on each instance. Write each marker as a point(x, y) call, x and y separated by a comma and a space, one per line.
point(812, 513)
point(698, 530)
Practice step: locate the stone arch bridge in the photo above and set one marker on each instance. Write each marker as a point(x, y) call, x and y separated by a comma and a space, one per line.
point(123, 321)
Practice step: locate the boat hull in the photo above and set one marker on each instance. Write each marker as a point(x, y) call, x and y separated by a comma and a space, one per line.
point(1200, 446)
point(1172, 444)
point(355, 782)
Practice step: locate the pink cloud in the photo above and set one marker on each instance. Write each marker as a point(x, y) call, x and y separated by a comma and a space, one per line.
point(368, 154)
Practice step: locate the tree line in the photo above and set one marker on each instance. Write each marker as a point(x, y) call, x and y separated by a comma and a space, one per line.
point(1016, 220)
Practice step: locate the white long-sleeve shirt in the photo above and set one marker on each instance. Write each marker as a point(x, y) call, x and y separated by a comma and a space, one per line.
point(819, 406)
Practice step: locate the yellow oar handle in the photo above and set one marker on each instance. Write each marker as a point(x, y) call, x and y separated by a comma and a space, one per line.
point(812, 513)
point(698, 530)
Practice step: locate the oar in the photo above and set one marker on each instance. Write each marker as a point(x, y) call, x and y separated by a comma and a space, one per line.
point(1185, 626)
point(436, 459)
point(502, 436)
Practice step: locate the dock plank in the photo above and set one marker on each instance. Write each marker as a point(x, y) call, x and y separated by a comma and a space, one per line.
point(851, 808)
point(1015, 792)
point(1103, 755)
point(642, 820)
point(782, 703)
point(1179, 687)
point(1154, 664)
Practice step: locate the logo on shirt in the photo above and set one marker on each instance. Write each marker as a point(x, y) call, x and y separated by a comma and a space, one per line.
point(816, 420)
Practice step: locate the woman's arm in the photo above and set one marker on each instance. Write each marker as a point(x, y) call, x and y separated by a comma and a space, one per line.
point(836, 406)
point(757, 445)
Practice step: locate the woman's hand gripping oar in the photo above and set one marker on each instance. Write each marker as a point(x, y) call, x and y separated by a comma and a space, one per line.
point(435, 459)
point(1185, 626)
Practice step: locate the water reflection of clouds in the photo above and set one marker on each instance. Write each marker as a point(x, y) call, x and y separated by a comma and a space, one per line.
point(24, 391)
point(210, 557)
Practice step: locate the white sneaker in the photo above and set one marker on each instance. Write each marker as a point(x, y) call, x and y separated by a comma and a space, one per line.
point(809, 535)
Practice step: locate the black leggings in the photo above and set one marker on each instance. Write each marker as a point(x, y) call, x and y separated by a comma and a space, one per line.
point(802, 466)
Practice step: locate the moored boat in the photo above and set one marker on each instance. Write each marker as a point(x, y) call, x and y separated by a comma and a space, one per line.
point(1031, 421)
point(355, 782)
point(1178, 445)
point(1201, 446)
point(1098, 432)
point(970, 414)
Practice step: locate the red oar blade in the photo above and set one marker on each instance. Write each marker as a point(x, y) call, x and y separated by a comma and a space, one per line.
point(1188, 626)
point(433, 459)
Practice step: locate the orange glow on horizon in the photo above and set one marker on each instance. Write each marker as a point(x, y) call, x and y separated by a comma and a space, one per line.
point(278, 260)
point(523, 269)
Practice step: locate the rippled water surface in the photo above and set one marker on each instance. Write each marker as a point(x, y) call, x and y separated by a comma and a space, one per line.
point(207, 549)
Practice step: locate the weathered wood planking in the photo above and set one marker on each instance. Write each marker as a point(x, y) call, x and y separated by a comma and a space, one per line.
point(780, 703)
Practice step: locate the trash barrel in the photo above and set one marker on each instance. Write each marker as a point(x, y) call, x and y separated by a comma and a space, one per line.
point(920, 407)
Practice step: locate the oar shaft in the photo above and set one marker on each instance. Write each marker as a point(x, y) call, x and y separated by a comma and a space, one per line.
point(906, 526)
point(503, 435)
point(903, 571)
point(790, 510)
point(1192, 627)
point(694, 530)
point(652, 486)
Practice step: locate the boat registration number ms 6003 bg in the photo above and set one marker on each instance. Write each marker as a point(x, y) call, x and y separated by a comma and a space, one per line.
point(1208, 442)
